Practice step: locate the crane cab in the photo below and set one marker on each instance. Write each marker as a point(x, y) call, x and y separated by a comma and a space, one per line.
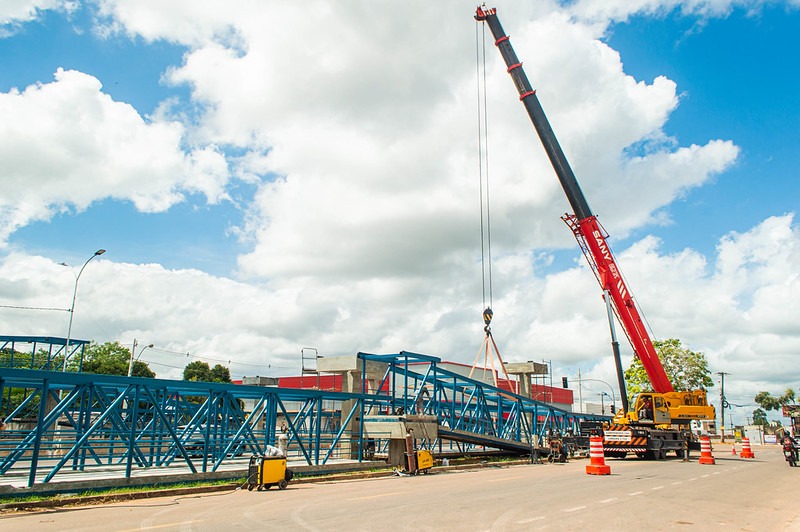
point(652, 408)
point(673, 408)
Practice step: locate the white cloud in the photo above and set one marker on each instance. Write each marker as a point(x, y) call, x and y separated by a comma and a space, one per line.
point(67, 144)
point(13, 13)
point(729, 306)
point(370, 129)
point(606, 11)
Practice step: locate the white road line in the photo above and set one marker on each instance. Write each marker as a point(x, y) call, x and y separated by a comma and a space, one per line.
point(635, 493)
point(503, 479)
point(567, 510)
point(612, 499)
point(716, 472)
point(657, 488)
point(705, 476)
point(677, 483)
point(156, 527)
point(530, 520)
point(692, 479)
point(377, 496)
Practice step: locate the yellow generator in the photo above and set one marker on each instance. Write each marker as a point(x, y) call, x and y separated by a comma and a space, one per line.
point(267, 471)
point(424, 461)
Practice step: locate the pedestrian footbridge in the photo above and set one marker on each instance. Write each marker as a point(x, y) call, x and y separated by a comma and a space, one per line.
point(59, 422)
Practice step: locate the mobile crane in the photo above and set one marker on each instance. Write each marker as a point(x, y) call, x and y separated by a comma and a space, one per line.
point(659, 420)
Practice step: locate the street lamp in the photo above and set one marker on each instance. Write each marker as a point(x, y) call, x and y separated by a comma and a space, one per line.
point(72, 308)
point(133, 352)
point(602, 404)
point(613, 395)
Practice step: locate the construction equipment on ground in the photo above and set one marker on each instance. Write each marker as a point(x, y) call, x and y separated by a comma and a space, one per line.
point(263, 472)
point(417, 460)
point(659, 420)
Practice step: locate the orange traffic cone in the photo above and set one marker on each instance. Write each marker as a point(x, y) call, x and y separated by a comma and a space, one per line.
point(747, 452)
point(597, 458)
point(705, 451)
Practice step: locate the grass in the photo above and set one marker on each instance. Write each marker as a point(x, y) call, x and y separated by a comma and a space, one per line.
point(120, 491)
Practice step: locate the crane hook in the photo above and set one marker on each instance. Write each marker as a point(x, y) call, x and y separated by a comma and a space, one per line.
point(487, 319)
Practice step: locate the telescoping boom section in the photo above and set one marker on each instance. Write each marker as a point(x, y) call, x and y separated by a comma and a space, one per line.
point(590, 235)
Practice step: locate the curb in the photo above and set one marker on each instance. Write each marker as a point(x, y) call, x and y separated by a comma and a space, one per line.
point(60, 502)
point(115, 497)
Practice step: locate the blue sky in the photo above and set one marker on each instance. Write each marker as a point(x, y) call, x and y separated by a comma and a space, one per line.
point(263, 188)
point(190, 235)
point(741, 78)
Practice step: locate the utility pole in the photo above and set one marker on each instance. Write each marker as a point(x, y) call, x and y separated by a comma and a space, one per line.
point(722, 403)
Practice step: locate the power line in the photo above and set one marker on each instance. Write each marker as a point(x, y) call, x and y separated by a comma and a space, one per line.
point(203, 357)
point(35, 308)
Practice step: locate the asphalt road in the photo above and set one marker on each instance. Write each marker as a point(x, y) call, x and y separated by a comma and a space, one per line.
point(734, 494)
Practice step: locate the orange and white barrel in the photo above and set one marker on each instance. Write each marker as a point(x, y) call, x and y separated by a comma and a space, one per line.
point(597, 459)
point(747, 452)
point(705, 451)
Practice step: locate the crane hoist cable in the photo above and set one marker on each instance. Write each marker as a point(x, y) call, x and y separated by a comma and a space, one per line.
point(483, 176)
point(489, 346)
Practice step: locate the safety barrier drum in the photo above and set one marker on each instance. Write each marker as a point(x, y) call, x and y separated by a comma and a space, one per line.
point(597, 458)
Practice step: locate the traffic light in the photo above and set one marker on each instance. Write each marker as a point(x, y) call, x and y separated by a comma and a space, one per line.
point(564, 383)
point(613, 410)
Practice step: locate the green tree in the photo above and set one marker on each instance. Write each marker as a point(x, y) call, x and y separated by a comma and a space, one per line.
point(112, 358)
point(686, 369)
point(197, 371)
point(220, 373)
point(760, 417)
point(200, 371)
point(768, 402)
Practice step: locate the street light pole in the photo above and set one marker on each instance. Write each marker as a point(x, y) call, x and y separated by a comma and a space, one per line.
point(133, 353)
point(613, 395)
point(72, 308)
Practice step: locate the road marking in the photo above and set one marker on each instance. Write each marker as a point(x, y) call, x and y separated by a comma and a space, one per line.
point(377, 496)
point(612, 499)
point(530, 520)
point(635, 493)
point(568, 510)
point(503, 479)
point(704, 476)
point(692, 479)
point(716, 472)
point(657, 488)
point(677, 483)
point(168, 525)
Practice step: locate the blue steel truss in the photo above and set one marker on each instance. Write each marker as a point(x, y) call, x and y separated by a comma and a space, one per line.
point(53, 347)
point(469, 410)
point(57, 421)
point(83, 421)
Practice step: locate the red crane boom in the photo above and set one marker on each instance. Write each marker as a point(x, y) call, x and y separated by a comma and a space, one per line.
point(587, 230)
